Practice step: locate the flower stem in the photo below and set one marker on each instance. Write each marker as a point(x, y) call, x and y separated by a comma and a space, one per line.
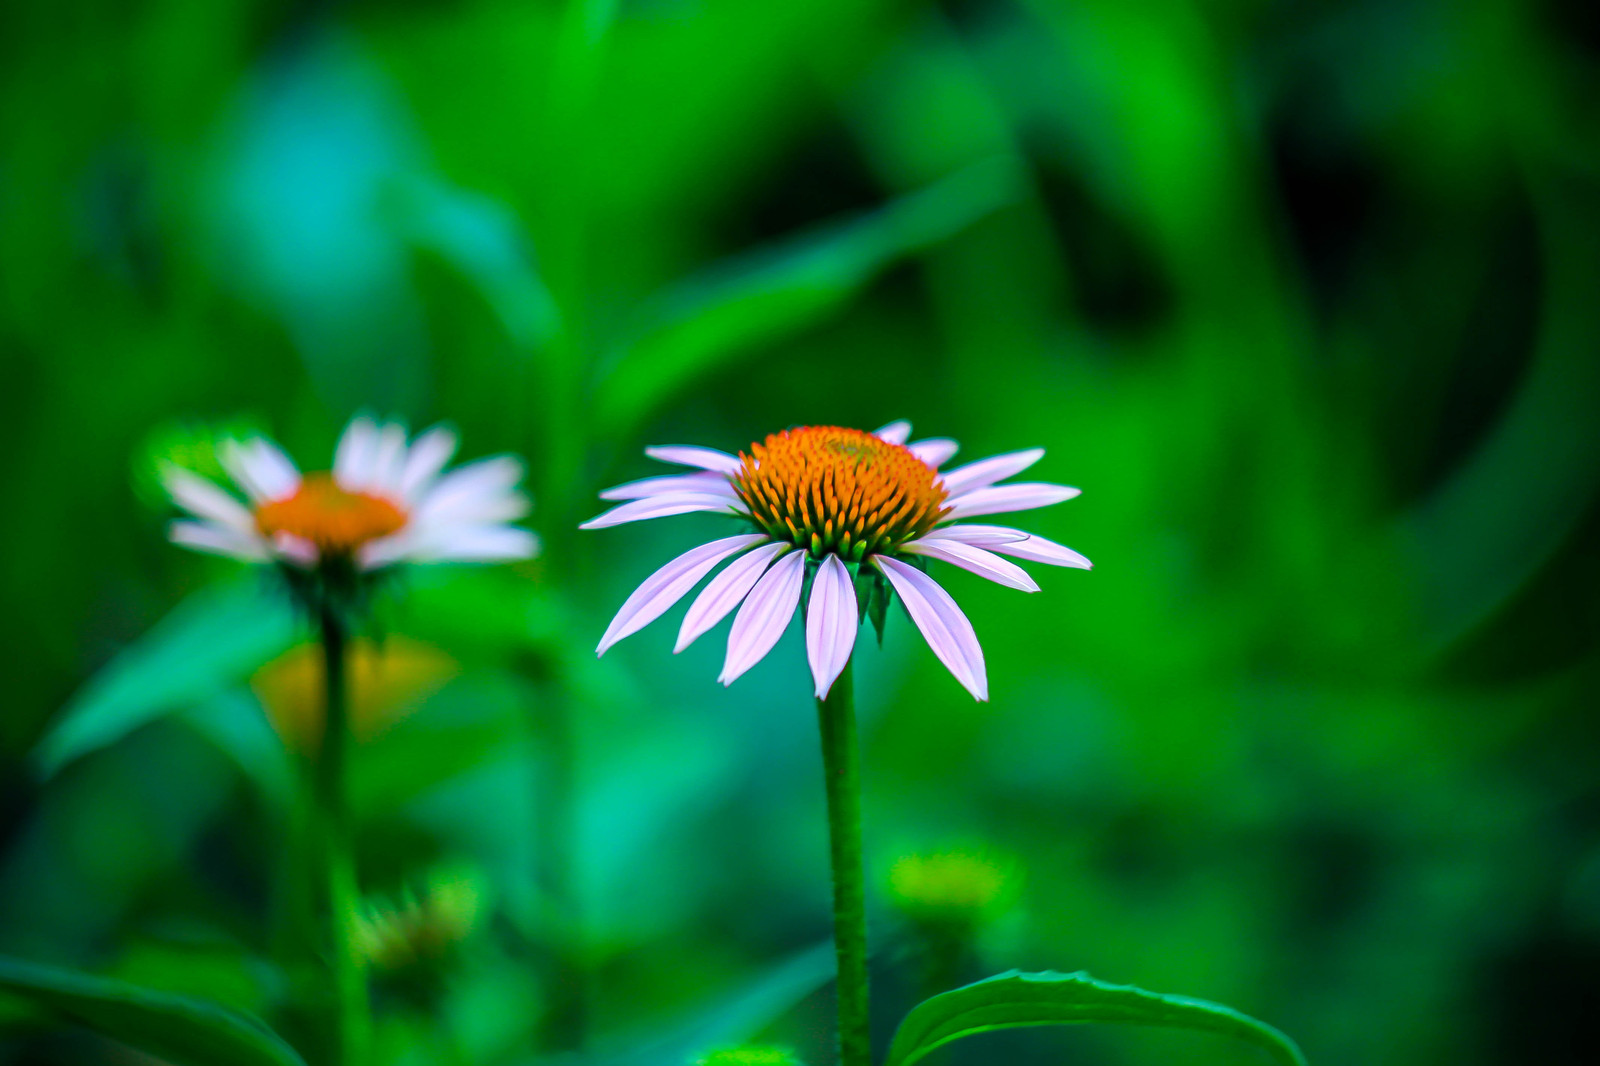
point(836, 716)
point(353, 1022)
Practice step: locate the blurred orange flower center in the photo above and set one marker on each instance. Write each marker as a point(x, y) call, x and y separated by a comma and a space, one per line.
point(336, 520)
point(830, 489)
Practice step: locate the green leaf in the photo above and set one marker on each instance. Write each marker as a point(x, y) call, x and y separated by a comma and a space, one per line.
point(1015, 999)
point(182, 1030)
point(744, 1014)
point(710, 319)
point(209, 641)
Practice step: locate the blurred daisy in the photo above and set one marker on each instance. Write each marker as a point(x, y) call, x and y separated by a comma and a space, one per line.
point(829, 504)
point(385, 502)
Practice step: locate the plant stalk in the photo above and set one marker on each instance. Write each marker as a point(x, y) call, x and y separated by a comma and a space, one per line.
point(841, 763)
point(352, 1017)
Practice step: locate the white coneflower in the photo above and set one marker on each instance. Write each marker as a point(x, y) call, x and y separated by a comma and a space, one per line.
point(830, 501)
point(384, 502)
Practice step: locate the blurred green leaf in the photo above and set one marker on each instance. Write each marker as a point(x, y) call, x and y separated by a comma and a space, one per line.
point(1015, 999)
point(711, 319)
point(184, 1031)
point(208, 642)
point(744, 1014)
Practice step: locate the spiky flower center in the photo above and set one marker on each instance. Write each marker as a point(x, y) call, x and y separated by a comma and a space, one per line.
point(829, 489)
point(336, 520)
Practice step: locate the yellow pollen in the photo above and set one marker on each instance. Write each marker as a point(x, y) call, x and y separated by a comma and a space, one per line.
point(829, 489)
point(336, 520)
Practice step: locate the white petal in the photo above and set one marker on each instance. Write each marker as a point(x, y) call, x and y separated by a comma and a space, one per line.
point(764, 616)
point(980, 562)
point(354, 454)
point(978, 536)
point(426, 458)
point(388, 461)
point(934, 451)
point(725, 591)
point(667, 585)
point(895, 432)
point(1039, 550)
point(479, 543)
point(488, 506)
point(964, 479)
point(259, 468)
point(480, 487)
point(997, 499)
point(660, 507)
point(690, 455)
point(945, 628)
point(202, 498)
point(273, 469)
point(710, 481)
point(218, 540)
point(832, 619)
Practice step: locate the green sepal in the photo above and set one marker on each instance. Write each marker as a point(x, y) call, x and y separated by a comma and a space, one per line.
point(1016, 999)
point(180, 1029)
point(872, 598)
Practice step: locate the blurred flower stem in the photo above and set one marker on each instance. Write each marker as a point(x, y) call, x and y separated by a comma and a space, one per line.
point(566, 974)
point(841, 764)
point(353, 1022)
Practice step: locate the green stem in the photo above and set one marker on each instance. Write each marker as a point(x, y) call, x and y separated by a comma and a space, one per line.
point(841, 764)
point(353, 1022)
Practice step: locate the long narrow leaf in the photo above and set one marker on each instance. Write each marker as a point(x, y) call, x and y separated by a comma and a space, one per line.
point(709, 320)
point(1016, 999)
point(212, 639)
point(179, 1029)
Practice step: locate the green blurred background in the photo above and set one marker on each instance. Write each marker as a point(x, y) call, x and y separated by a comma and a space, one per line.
point(1305, 296)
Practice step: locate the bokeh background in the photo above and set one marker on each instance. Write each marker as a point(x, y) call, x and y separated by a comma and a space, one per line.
point(1305, 296)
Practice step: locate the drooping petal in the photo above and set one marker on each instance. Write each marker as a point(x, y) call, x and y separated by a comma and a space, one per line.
point(693, 455)
point(424, 460)
point(832, 620)
point(764, 616)
point(668, 585)
point(259, 468)
point(218, 540)
point(204, 499)
point(297, 550)
point(354, 454)
point(709, 481)
point(980, 562)
point(895, 432)
point(670, 503)
point(725, 592)
point(964, 479)
point(945, 628)
point(1014, 542)
point(998, 499)
point(979, 536)
point(934, 451)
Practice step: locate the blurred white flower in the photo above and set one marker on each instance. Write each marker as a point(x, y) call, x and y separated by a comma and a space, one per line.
point(384, 502)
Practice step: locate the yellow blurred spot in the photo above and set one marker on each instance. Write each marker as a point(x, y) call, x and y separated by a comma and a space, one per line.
point(387, 680)
point(750, 1056)
point(950, 883)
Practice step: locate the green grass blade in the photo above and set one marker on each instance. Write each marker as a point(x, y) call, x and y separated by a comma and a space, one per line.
point(179, 1029)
